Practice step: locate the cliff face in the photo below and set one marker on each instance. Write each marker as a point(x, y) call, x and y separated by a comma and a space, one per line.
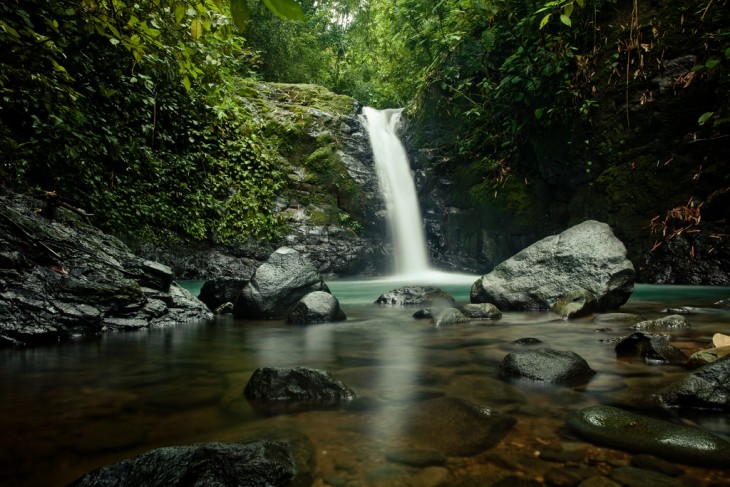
point(651, 160)
point(330, 206)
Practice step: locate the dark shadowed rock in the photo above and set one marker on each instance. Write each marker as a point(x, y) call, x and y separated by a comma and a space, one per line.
point(424, 314)
point(481, 311)
point(316, 307)
point(221, 290)
point(586, 256)
point(421, 295)
point(546, 365)
point(617, 428)
point(278, 390)
point(449, 316)
point(650, 348)
point(278, 284)
point(259, 463)
point(575, 304)
point(705, 388)
point(454, 426)
point(63, 277)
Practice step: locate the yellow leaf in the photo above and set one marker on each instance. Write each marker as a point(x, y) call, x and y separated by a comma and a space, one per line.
point(196, 29)
point(545, 20)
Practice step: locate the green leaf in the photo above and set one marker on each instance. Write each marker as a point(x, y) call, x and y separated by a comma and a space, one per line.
point(240, 14)
point(705, 117)
point(711, 63)
point(727, 53)
point(179, 13)
point(565, 19)
point(568, 10)
point(545, 20)
point(581, 3)
point(286, 9)
point(196, 29)
point(186, 83)
point(538, 113)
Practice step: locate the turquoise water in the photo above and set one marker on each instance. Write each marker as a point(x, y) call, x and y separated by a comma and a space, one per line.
point(69, 408)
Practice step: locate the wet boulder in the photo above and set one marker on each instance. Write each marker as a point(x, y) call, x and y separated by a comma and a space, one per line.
point(650, 348)
point(277, 285)
point(546, 365)
point(705, 388)
point(431, 296)
point(481, 311)
point(708, 355)
point(454, 427)
point(221, 290)
point(575, 304)
point(281, 389)
point(316, 307)
point(586, 256)
point(208, 464)
point(621, 429)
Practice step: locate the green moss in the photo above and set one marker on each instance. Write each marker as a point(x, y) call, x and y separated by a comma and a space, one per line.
point(318, 217)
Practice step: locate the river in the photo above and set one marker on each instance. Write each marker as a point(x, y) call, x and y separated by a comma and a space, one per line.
point(69, 408)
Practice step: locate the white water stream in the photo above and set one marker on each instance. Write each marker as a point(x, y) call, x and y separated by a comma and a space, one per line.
point(399, 192)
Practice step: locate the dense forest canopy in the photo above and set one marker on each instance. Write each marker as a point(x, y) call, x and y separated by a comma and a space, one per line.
point(134, 112)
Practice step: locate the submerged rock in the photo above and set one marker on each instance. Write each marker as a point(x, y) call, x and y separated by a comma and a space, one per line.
point(481, 311)
point(586, 256)
point(62, 277)
point(421, 295)
point(450, 316)
point(628, 318)
point(666, 323)
point(617, 428)
point(650, 348)
point(454, 426)
point(708, 355)
point(546, 365)
point(316, 307)
point(277, 285)
point(705, 388)
point(210, 464)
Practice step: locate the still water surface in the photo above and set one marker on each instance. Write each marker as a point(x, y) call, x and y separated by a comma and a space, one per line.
point(67, 409)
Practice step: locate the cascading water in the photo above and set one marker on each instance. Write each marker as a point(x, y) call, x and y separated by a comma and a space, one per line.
point(399, 191)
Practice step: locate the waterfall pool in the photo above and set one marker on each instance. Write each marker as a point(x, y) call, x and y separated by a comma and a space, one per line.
point(70, 408)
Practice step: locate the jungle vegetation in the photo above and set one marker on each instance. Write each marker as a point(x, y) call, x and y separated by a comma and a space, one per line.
point(132, 110)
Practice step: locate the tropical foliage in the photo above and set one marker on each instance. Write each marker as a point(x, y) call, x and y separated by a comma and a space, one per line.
point(136, 110)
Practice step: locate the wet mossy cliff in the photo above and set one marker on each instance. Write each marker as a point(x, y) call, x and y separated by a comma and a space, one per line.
point(651, 159)
point(329, 207)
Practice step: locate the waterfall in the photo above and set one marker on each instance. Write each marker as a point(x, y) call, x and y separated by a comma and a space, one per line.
point(398, 190)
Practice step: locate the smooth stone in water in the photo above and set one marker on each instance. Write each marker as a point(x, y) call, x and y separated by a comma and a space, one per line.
point(316, 307)
point(621, 429)
point(628, 318)
point(481, 311)
point(719, 340)
point(413, 295)
point(546, 365)
point(708, 355)
point(575, 304)
point(667, 323)
point(454, 426)
point(649, 348)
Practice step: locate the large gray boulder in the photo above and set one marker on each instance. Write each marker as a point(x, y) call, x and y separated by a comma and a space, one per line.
point(258, 463)
point(587, 256)
point(278, 284)
point(62, 277)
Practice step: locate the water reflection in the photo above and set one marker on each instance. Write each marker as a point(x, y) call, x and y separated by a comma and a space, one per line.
point(69, 408)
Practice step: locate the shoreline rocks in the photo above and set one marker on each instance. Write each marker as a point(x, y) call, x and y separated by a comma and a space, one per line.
point(62, 277)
